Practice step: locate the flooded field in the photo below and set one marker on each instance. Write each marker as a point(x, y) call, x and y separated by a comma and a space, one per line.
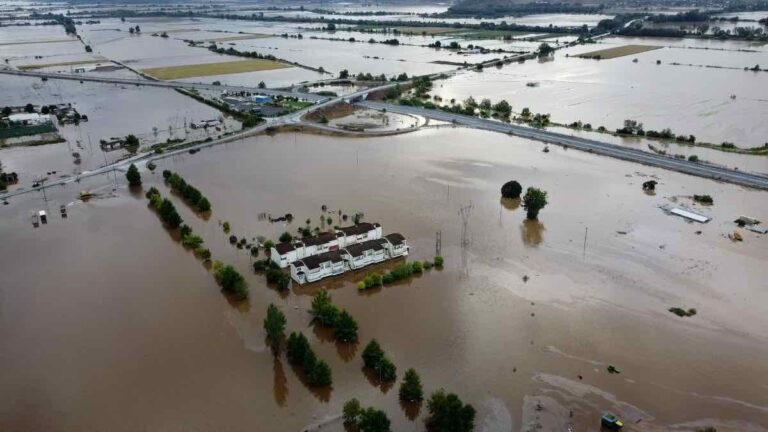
point(170, 116)
point(126, 330)
point(716, 104)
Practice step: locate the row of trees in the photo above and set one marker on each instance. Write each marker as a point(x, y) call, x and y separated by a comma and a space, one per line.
point(403, 271)
point(633, 127)
point(316, 371)
point(191, 195)
point(375, 359)
point(328, 315)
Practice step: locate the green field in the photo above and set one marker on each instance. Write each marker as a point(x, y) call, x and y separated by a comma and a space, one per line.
point(211, 69)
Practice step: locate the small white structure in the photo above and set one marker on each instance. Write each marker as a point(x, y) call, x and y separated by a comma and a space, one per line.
point(365, 253)
point(358, 233)
point(316, 267)
point(396, 245)
point(689, 215)
point(30, 119)
point(283, 254)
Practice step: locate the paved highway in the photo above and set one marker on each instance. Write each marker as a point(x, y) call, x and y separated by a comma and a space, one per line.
point(592, 146)
point(166, 84)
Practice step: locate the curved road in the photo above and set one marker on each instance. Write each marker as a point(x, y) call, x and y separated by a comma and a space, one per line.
point(592, 146)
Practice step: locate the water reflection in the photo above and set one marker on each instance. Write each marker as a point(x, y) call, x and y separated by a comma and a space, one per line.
point(347, 350)
point(280, 386)
point(411, 409)
point(322, 394)
point(510, 203)
point(375, 381)
point(532, 232)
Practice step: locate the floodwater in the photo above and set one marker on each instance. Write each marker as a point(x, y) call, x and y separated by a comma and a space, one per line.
point(107, 323)
point(714, 104)
point(113, 111)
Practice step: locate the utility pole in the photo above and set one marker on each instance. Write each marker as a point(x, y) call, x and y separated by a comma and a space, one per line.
point(438, 243)
point(465, 212)
point(584, 251)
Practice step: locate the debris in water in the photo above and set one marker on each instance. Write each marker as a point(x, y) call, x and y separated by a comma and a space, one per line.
point(735, 236)
point(525, 278)
point(613, 369)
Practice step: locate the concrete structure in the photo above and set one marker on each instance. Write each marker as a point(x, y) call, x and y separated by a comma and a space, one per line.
point(365, 253)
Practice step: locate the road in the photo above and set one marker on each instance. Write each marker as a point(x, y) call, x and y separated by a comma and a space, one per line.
point(589, 145)
point(166, 84)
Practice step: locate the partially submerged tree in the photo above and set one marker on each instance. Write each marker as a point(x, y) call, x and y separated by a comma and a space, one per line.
point(534, 200)
point(511, 189)
point(447, 413)
point(133, 176)
point(410, 389)
point(274, 325)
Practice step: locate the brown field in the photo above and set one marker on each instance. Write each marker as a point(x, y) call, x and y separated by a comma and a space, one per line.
point(621, 51)
point(209, 69)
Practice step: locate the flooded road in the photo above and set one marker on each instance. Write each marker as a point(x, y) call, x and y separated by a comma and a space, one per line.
point(108, 323)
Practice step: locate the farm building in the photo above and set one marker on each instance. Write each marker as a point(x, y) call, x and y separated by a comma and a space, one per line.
point(316, 267)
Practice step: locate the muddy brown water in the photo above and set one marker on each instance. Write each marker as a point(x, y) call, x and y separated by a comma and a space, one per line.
point(108, 323)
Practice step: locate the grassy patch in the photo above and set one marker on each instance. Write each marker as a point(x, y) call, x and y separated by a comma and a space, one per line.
point(621, 51)
point(416, 30)
point(209, 69)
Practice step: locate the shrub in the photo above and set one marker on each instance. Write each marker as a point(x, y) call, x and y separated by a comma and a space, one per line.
point(274, 326)
point(534, 200)
point(511, 189)
point(361, 286)
point(192, 240)
point(203, 253)
point(693, 158)
point(204, 205)
point(704, 199)
point(439, 261)
point(269, 244)
point(231, 281)
point(225, 226)
point(133, 176)
point(373, 420)
point(167, 174)
point(372, 354)
point(152, 192)
point(386, 279)
point(417, 267)
point(319, 375)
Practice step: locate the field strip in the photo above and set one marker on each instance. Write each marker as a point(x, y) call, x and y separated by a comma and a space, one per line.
point(621, 51)
point(211, 69)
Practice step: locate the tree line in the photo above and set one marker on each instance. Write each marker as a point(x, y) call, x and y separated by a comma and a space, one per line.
point(192, 196)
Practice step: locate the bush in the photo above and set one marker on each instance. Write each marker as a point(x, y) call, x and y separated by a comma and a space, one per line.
point(439, 261)
point(320, 375)
point(361, 286)
point(511, 189)
point(231, 280)
point(203, 253)
point(387, 279)
point(274, 326)
point(192, 241)
point(323, 310)
point(693, 158)
point(372, 354)
point(704, 199)
point(417, 267)
point(152, 192)
point(534, 200)
point(373, 420)
point(269, 244)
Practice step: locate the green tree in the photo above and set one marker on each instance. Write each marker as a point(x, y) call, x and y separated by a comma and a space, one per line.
point(231, 280)
point(132, 143)
point(447, 413)
point(373, 420)
point(410, 389)
point(351, 412)
point(534, 200)
point(511, 189)
point(204, 205)
point(372, 354)
point(133, 176)
point(386, 370)
point(285, 237)
point(323, 310)
point(7, 111)
point(297, 347)
point(346, 328)
point(274, 325)
point(320, 375)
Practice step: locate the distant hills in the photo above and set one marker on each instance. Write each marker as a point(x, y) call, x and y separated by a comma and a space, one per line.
point(498, 8)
